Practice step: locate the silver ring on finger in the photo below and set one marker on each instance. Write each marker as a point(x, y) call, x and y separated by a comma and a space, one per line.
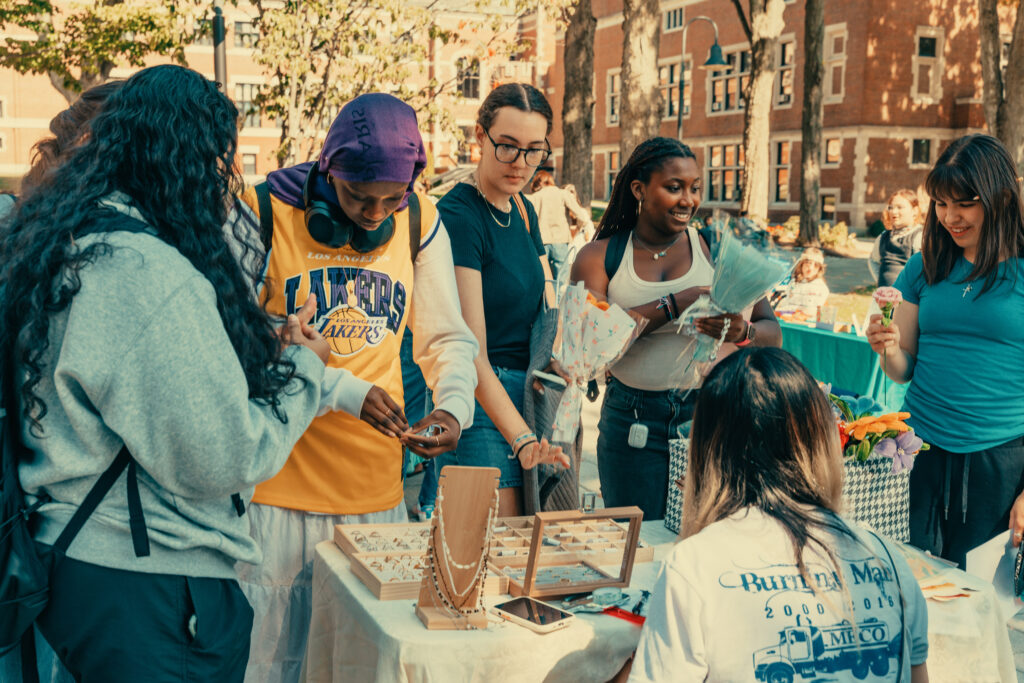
point(437, 441)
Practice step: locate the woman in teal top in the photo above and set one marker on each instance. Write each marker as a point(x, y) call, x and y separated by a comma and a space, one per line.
point(960, 336)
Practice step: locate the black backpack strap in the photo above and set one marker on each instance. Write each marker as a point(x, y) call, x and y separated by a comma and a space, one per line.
point(615, 251)
point(136, 520)
point(29, 665)
point(236, 500)
point(415, 226)
point(266, 215)
point(92, 500)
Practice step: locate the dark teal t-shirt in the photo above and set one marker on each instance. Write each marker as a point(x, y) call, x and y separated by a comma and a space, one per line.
point(967, 392)
point(510, 272)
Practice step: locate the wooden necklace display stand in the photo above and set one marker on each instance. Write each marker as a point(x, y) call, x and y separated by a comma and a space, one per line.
point(460, 542)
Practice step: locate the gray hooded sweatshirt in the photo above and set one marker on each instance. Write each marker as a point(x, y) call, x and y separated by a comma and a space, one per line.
point(141, 357)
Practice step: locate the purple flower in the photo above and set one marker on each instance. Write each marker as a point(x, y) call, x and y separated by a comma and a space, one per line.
point(902, 450)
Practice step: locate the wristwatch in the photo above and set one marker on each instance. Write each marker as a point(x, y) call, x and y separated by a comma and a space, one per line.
point(749, 335)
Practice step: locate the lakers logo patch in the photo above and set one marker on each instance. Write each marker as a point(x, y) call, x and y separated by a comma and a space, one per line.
point(349, 330)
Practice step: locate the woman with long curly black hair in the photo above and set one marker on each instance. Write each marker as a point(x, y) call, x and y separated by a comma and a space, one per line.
point(138, 344)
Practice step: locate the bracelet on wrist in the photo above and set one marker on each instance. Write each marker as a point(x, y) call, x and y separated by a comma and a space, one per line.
point(520, 447)
point(666, 305)
point(675, 306)
point(525, 436)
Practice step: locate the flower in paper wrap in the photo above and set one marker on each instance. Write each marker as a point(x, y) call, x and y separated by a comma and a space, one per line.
point(887, 298)
point(594, 335)
point(863, 433)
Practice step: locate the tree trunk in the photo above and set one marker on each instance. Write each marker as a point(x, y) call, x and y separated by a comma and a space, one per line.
point(578, 101)
point(1003, 91)
point(641, 100)
point(766, 26)
point(810, 141)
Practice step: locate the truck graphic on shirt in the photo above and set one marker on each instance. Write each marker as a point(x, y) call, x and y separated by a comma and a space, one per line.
point(807, 651)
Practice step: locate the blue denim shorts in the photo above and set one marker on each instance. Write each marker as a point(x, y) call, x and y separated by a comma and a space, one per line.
point(482, 445)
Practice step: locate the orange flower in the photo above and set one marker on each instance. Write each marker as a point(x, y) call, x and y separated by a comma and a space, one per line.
point(603, 305)
point(877, 424)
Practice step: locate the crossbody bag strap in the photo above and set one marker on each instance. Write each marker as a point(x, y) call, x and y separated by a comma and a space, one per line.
point(92, 500)
point(266, 215)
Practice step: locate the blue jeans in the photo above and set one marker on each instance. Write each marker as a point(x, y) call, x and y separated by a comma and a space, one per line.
point(638, 476)
point(482, 445)
point(558, 254)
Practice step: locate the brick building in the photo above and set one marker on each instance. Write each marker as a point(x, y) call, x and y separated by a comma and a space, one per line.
point(902, 79)
point(27, 103)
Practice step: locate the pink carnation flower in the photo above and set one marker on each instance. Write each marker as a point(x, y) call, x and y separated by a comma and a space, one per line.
point(887, 295)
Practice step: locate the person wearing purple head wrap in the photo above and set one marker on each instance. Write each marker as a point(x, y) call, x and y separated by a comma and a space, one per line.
point(343, 230)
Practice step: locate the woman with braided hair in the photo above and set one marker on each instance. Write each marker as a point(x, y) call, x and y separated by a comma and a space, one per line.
point(649, 260)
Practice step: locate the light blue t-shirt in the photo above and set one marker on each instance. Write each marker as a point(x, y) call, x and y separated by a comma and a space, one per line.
point(967, 392)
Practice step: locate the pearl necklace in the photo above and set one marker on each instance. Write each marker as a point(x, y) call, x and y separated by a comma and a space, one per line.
point(437, 573)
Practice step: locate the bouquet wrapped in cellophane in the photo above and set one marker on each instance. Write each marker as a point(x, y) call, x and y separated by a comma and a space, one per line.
point(594, 334)
point(746, 265)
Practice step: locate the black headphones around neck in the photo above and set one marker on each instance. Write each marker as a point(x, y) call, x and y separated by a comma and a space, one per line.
point(329, 225)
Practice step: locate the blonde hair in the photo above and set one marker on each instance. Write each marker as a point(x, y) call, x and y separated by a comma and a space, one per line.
point(810, 254)
point(915, 203)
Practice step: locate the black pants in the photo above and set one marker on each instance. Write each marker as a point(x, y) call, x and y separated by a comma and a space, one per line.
point(115, 626)
point(940, 495)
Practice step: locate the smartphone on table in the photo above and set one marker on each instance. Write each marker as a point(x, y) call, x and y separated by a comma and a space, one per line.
point(533, 614)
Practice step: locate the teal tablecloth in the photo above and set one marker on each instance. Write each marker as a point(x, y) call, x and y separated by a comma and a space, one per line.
point(844, 360)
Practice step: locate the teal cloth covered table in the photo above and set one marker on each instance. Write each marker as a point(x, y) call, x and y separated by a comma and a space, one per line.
point(843, 360)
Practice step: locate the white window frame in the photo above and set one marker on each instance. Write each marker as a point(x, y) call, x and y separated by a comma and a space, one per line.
point(777, 165)
point(824, 192)
point(469, 59)
point(245, 115)
point(612, 76)
point(671, 86)
point(725, 76)
point(609, 174)
point(927, 164)
point(825, 163)
point(781, 72)
point(737, 167)
point(833, 60)
point(937, 64)
point(236, 34)
point(676, 13)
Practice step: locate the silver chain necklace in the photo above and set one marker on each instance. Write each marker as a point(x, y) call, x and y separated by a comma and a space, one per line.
point(487, 203)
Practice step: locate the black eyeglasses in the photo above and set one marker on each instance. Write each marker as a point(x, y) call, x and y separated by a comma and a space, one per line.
point(508, 154)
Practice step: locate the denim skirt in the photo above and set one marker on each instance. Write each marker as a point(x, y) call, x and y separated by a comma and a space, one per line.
point(482, 445)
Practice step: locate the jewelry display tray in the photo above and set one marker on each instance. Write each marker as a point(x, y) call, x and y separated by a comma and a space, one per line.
point(390, 558)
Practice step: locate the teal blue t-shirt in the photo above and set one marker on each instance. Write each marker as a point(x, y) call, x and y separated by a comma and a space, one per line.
point(967, 392)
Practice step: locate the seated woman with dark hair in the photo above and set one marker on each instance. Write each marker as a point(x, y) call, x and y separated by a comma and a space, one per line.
point(766, 561)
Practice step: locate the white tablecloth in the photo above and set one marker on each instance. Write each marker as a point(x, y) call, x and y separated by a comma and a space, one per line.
point(354, 637)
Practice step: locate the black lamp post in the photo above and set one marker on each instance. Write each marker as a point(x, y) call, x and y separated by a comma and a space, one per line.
point(220, 61)
point(714, 59)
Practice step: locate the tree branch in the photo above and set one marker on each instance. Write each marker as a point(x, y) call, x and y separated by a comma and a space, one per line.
point(743, 20)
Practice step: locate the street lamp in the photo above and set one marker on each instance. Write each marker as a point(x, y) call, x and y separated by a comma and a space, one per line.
point(714, 60)
point(220, 67)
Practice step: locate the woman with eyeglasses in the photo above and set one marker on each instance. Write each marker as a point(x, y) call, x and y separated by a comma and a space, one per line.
point(500, 269)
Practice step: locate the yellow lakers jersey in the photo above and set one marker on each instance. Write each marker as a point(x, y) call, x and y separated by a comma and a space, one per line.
point(342, 465)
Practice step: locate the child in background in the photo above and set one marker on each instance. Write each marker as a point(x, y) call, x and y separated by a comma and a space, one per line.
point(807, 289)
point(904, 227)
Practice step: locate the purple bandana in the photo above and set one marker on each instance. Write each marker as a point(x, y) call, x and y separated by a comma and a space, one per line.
point(374, 139)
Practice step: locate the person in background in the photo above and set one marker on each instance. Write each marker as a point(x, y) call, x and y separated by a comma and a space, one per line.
point(807, 289)
point(903, 220)
point(194, 392)
point(343, 229)
point(581, 232)
point(500, 268)
point(650, 260)
point(552, 203)
point(958, 338)
point(761, 499)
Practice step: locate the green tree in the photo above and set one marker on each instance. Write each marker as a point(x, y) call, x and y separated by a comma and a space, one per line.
point(78, 45)
point(319, 54)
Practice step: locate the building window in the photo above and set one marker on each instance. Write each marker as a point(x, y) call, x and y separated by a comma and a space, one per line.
point(727, 85)
point(668, 82)
point(921, 152)
point(611, 170)
point(614, 98)
point(927, 64)
point(673, 20)
point(835, 63)
point(725, 173)
point(245, 100)
point(246, 34)
point(469, 78)
point(828, 206)
point(833, 152)
point(249, 163)
point(469, 150)
point(784, 94)
point(780, 171)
